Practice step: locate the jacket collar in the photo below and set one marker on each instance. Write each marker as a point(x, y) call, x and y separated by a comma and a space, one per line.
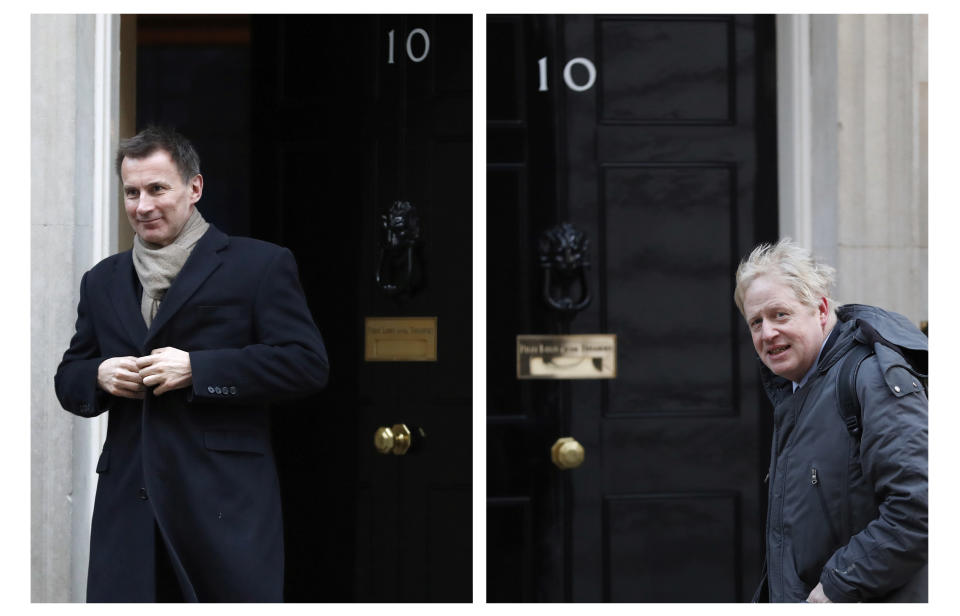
point(776, 387)
point(839, 342)
point(203, 261)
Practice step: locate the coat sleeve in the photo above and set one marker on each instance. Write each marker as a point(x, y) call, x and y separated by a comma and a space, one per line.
point(288, 359)
point(892, 548)
point(76, 378)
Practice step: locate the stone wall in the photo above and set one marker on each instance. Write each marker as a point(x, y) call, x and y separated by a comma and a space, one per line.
point(882, 162)
point(852, 114)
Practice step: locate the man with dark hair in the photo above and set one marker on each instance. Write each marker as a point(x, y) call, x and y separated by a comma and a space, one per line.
point(185, 339)
point(155, 138)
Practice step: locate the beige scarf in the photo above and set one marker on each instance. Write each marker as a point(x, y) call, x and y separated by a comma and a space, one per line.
point(158, 265)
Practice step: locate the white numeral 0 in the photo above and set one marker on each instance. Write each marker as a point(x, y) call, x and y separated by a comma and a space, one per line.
point(568, 74)
point(421, 57)
point(426, 44)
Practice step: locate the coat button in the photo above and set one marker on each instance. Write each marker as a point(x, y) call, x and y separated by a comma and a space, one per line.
point(142, 495)
point(210, 389)
point(233, 390)
point(896, 388)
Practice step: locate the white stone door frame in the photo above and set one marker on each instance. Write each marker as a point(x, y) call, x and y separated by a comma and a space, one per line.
point(807, 131)
point(794, 127)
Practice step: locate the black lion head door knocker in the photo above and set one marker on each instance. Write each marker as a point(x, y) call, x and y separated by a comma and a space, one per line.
point(564, 259)
point(399, 241)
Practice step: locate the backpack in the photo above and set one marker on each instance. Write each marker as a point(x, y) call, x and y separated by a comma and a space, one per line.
point(850, 409)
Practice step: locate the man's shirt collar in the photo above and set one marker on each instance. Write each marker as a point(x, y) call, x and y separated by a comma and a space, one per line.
point(806, 377)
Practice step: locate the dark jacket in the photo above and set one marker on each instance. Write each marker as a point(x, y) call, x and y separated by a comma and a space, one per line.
point(848, 510)
point(197, 462)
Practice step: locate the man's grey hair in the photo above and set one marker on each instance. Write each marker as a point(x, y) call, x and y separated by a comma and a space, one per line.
point(792, 264)
point(154, 138)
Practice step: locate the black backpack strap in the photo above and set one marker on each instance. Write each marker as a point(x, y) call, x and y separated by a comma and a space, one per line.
point(847, 388)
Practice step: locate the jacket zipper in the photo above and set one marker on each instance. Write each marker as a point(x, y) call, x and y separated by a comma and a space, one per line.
point(815, 482)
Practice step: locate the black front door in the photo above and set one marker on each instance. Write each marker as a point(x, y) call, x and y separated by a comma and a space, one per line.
point(352, 114)
point(309, 127)
point(654, 137)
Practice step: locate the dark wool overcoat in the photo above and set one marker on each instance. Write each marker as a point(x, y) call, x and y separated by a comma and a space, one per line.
point(196, 463)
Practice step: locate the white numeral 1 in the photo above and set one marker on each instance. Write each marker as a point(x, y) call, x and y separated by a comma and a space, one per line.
point(390, 47)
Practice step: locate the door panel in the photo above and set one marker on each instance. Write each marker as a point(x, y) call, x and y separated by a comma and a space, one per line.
point(667, 203)
point(664, 164)
point(666, 70)
point(708, 520)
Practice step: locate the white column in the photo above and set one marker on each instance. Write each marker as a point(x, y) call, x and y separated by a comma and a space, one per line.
point(55, 229)
point(74, 62)
point(793, 127)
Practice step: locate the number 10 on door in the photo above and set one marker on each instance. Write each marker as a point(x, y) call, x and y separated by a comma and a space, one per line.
point(568, 74)
point(391, 43)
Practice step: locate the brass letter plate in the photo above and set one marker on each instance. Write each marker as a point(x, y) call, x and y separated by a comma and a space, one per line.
point(401, 339)
point(591, 356)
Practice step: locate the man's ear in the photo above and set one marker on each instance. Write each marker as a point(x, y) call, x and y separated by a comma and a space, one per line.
point(823, 311)
point(196, 188)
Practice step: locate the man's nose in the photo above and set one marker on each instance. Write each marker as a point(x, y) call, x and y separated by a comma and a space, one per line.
point(767, 330)
point(144, 204)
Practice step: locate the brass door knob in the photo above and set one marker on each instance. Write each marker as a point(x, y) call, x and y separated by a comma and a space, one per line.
point(567, 453)
point(395, 440)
